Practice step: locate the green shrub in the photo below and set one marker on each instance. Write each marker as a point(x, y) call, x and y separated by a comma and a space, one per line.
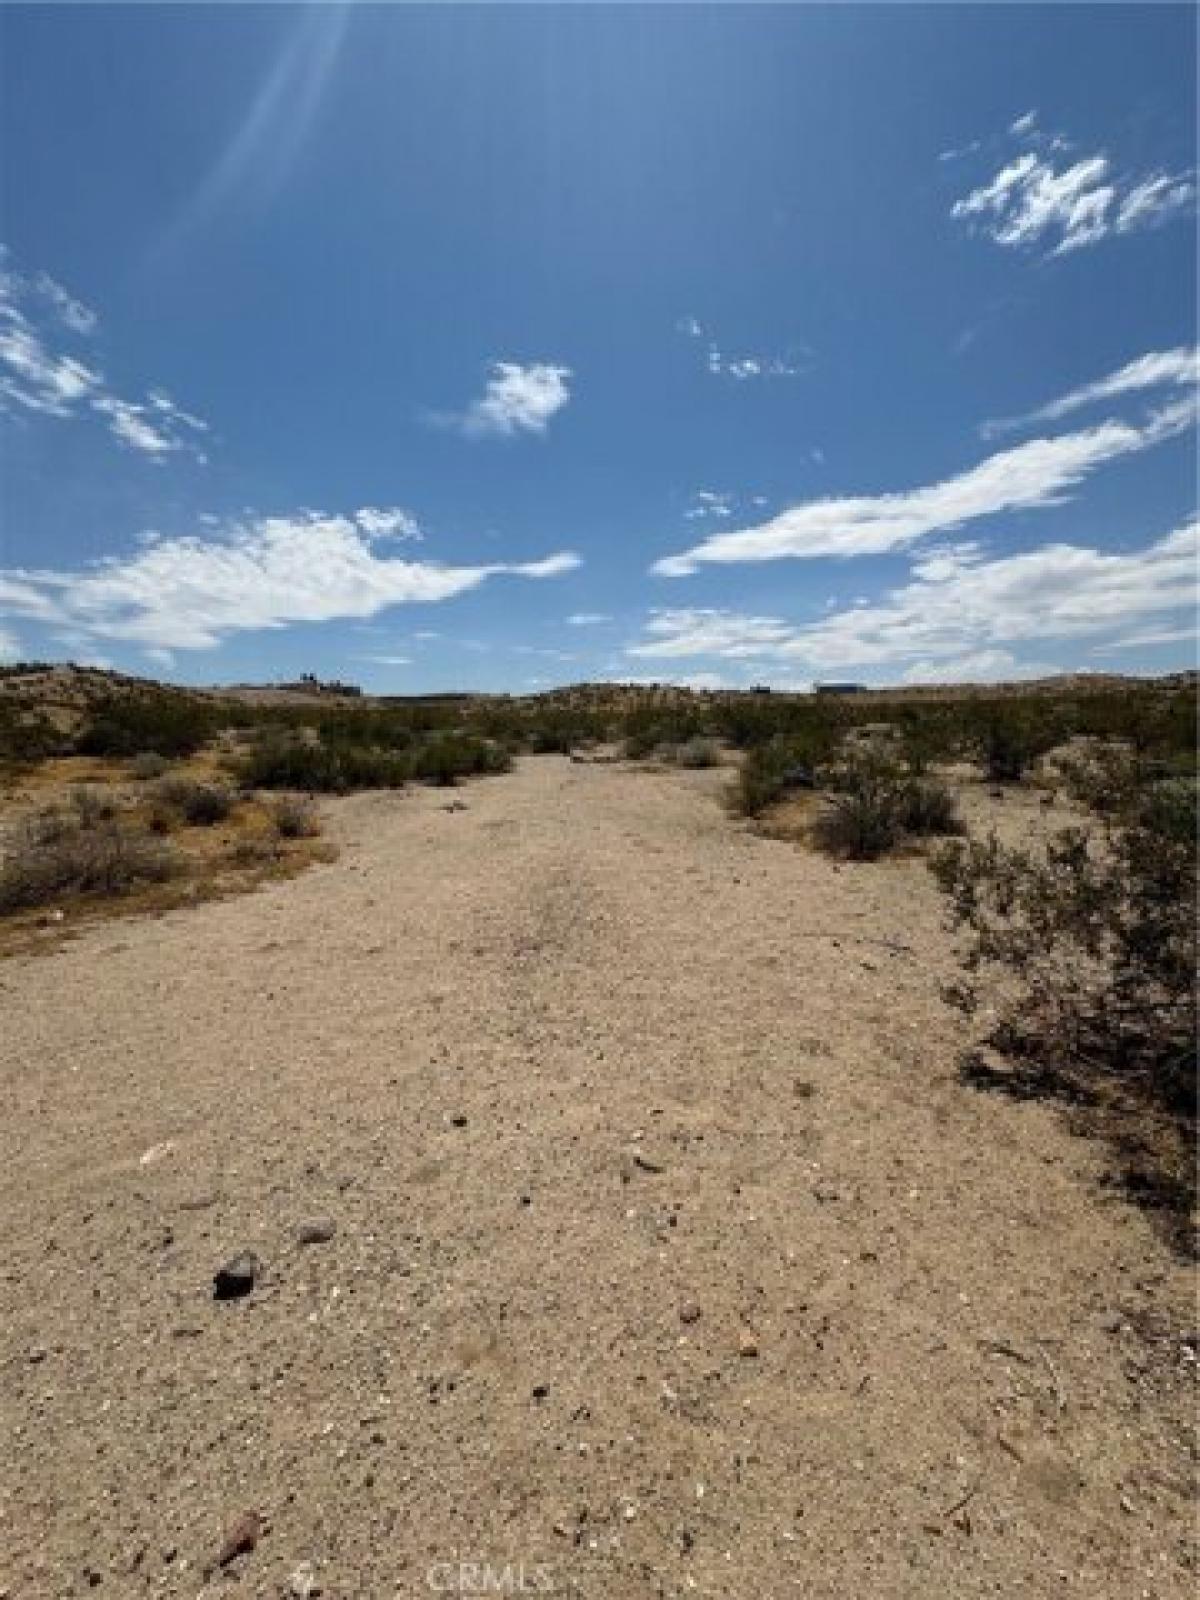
point(769, 772)
point(862, 822)
point(1095, 936)
point(927, 808)
point(1010, 742)
point(163, 724)
point(55, 854)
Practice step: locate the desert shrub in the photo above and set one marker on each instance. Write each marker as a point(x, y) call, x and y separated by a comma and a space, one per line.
point(254, 852)
point(295, 817)
point(92, 806)
point(863, 817)
point(1096, 935)
point(26, 736)
point(288, 762)
point(281, 761)
point(1103, 777)
point(54, 854)
point(446, 758)
point(167, 724)
point(149, 765)
point(1010, 741)
point(771, 771)
point(927, 807)
point(199, 804)
point(697, 753)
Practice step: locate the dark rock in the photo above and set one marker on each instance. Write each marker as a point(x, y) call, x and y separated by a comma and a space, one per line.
point(319, 1230)
point(237, 1277)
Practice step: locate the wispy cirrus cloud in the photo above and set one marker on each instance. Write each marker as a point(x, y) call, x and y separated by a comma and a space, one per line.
point(957, 606)
point(265, 572)
point(1037, 473)
point(588, 619)
point(516, 399)
point(1036, 199)
point(1178, 368)
point(37, 376)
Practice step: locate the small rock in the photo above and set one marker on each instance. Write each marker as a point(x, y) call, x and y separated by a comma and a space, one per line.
point(540, 1391)
point(156, 1153)
point(458, 1120)
point(689, 1311)
point(240, 1538)
point(302, 1583)
point(318, 1230)
point(35, 1354)
point(648, 1163)
point(747, 1343)
point(237, 1277)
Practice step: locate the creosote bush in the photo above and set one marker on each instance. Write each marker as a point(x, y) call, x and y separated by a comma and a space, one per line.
point(1096, 935)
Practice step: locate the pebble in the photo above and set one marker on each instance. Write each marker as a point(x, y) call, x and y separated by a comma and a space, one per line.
point(302, 1583)
point(747, 1343)
point(689, 1311)
point(318, 1230)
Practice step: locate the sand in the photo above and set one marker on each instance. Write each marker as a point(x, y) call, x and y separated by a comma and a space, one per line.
point(670, 1255)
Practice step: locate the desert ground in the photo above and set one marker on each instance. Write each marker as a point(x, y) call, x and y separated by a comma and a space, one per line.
point(658, 1249)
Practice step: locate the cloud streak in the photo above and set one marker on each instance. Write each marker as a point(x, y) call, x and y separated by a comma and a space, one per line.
point(1158, 369)
point(267, 572)
point(1038, 473)
point(956, 606)
point(36, 376)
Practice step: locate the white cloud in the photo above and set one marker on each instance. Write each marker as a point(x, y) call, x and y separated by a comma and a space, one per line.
point(387, 661)
point(152, 429)
point(1155, 200)
point(1158, 369)
point(984, 666)
point(37, 376)
point(709, 631)
point(1030, 201)
point(1036, 473)
point(588, 619)
point(955, 605)
point(1146, 638)
point(10, 649)
point(388, 522)
point(691, 327)
point(266, 572)
point(517, 399)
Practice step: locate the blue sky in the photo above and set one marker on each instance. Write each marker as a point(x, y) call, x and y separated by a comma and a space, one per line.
point(502, 347)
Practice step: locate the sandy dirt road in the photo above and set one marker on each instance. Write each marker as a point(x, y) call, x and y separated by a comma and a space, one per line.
point(670, 1256)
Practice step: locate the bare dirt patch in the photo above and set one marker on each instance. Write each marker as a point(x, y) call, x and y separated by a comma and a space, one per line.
point(669, 1254)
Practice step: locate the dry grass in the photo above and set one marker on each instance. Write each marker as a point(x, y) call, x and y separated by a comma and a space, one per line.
point(158, 860)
